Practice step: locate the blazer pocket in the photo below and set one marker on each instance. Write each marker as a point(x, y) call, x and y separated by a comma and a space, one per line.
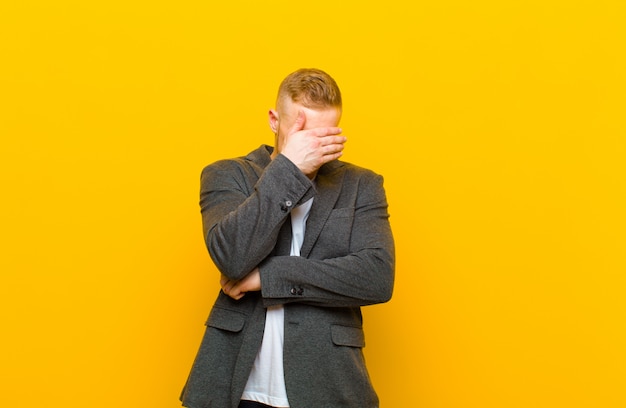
point(226, 319)
point(347, 336)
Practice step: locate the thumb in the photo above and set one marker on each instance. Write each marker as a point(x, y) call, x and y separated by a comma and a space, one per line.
point(299, 124)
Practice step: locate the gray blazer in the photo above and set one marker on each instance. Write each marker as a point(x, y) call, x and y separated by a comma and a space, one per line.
point(346, 261)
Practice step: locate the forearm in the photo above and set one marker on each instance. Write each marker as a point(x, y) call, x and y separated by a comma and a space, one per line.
point(242, 223)
point(352, 263)
point(358, 279)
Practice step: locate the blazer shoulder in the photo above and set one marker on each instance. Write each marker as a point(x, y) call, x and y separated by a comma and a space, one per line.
point(355, 172)
point(254, 161)
point(224, 165)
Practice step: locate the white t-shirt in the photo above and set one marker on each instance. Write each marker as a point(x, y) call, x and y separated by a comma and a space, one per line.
point(266, 383)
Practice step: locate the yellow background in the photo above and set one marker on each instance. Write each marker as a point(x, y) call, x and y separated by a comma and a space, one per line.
point(499, 127)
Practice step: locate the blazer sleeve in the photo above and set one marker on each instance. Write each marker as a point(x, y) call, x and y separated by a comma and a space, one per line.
point(242, 213)
point(365, 275)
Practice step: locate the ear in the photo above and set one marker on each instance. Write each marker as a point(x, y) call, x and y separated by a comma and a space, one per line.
point(273, 119)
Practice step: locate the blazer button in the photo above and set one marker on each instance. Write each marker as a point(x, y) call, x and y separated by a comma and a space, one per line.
point(284, 207)
point(293, 291)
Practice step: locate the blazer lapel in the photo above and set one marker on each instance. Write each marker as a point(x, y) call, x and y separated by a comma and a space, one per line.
point(328, 184)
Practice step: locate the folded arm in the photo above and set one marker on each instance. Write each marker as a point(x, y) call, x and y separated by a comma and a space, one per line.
point(241, 222)
point(364, 275)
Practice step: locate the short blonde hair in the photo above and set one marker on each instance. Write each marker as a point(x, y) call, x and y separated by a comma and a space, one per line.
point(312, 88)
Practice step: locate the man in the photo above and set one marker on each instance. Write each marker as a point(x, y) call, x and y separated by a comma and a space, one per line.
point(302, 241)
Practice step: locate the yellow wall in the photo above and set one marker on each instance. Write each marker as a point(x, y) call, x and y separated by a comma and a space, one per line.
point(499, 126)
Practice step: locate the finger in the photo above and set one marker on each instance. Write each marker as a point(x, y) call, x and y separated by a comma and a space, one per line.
point(227, 287)
point(332, 140)
point(299, 123)
point(226, 284)
point(330, 157)
point(332, 154)
point(235, 291)
point(332, 151)
point(325, 131)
